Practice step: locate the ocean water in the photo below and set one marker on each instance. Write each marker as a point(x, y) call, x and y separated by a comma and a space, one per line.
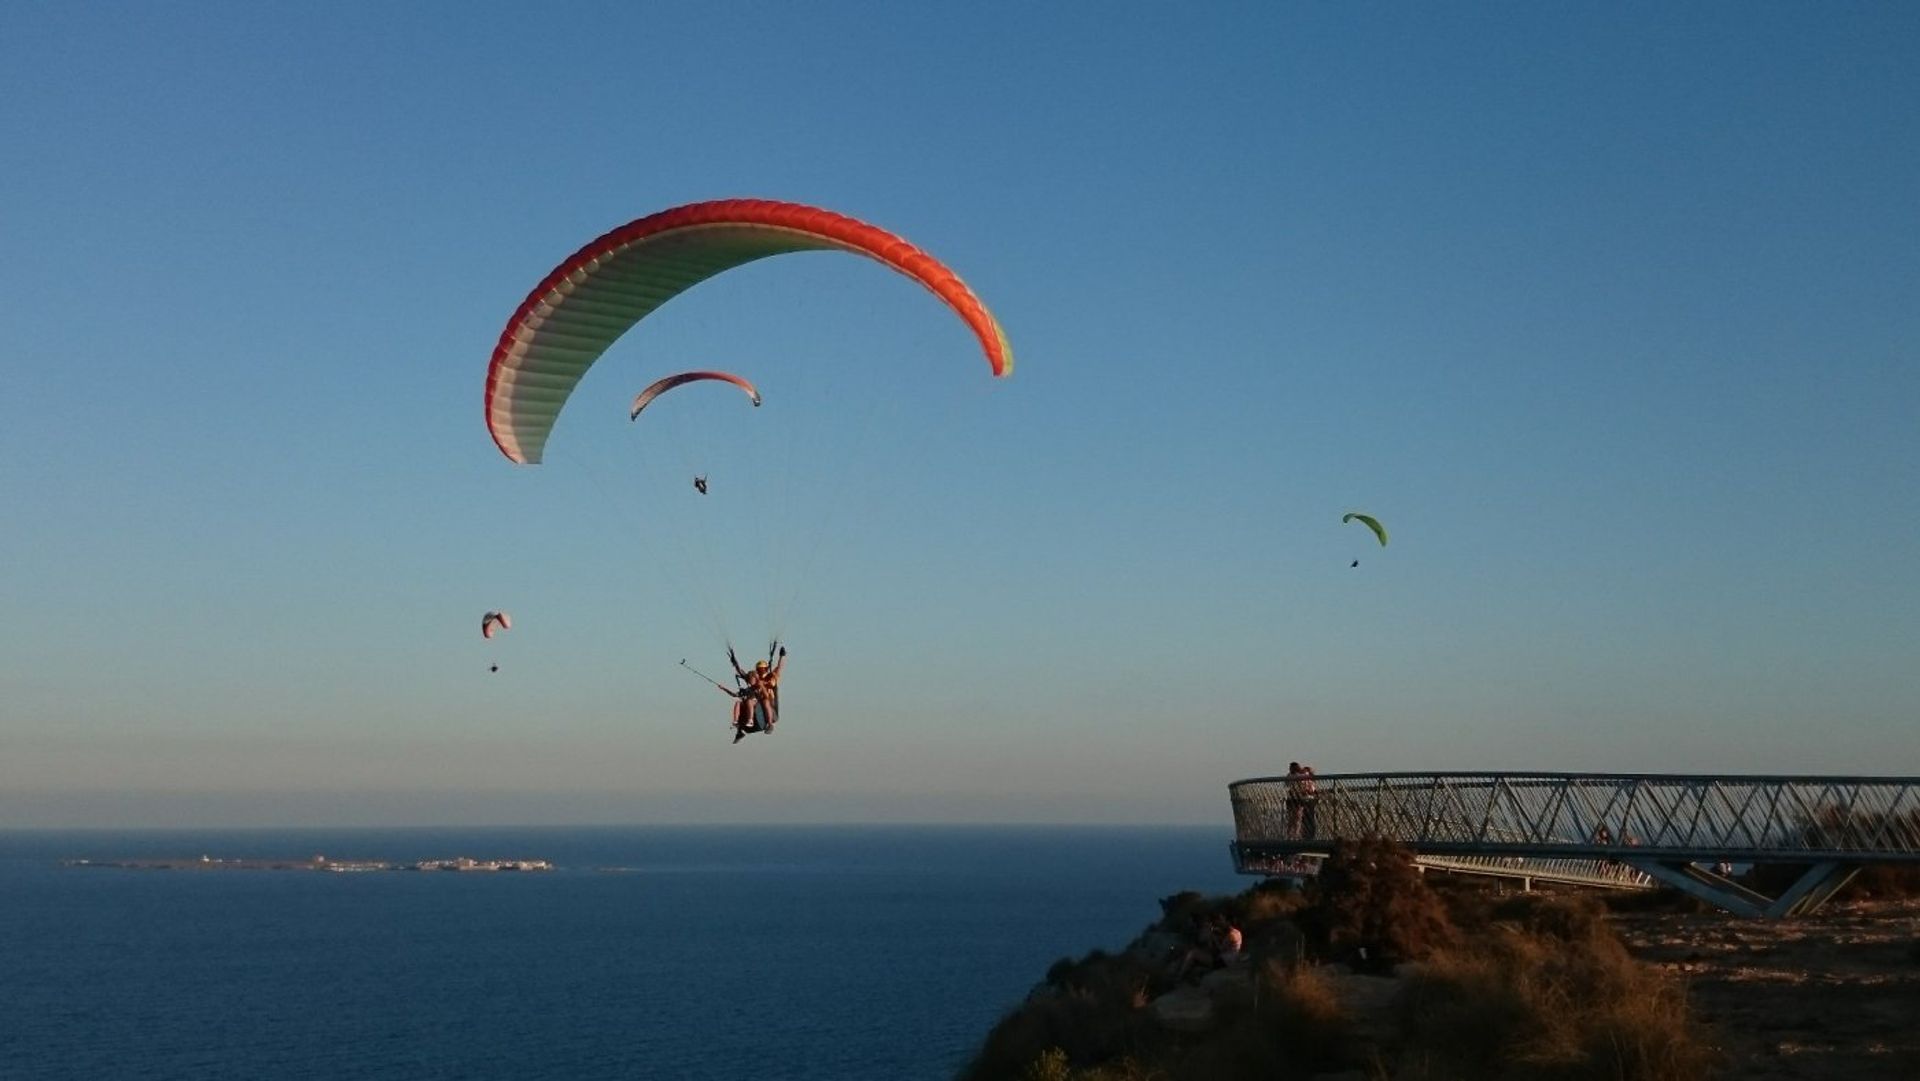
point(682, 952)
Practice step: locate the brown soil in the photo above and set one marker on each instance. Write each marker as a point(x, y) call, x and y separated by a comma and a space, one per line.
point(1835, 995)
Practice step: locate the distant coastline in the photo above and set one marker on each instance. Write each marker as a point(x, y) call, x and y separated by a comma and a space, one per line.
point(314, 863)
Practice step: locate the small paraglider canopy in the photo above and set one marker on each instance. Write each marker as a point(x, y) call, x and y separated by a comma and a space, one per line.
point(1370, 522)
point(494, 622)
point(681, 380)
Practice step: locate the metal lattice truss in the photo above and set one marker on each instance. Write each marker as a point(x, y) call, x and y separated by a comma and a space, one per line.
point(1597, 829)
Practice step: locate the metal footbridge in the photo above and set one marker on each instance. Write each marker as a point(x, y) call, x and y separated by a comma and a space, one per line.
point(1607, 830)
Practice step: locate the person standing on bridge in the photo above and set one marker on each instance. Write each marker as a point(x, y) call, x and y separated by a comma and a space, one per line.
point(1309, 804)
point(1296, 800)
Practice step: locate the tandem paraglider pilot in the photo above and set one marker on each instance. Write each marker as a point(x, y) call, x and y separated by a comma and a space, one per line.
point(757, 696)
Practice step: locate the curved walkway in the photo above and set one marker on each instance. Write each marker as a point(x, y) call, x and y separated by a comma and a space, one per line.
point(1593, 829)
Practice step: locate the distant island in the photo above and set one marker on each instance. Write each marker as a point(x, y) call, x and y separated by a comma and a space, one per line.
point(314, 863)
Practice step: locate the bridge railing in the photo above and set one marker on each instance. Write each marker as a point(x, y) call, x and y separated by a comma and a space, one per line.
point(1589, 815)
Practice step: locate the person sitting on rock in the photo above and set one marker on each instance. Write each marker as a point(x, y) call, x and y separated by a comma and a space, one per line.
point(1232, 944)
point(1218, 943)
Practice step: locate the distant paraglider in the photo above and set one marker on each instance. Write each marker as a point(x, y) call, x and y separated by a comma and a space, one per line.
point(491, 624)
point(660, 387)
point(1368, 520)
point(657, 389)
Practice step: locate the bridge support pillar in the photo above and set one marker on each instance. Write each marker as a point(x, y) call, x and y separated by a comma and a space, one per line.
point(1811, 890)
point(1716, 890)
point(1820, 882)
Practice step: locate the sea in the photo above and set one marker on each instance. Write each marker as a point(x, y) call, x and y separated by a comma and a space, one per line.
point(803, 953)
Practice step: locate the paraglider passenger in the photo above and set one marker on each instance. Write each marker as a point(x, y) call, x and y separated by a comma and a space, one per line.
point(700, 485)
point(742, 711)
point(759, 695)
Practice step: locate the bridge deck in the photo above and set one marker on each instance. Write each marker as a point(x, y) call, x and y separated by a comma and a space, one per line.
point(1596, 829)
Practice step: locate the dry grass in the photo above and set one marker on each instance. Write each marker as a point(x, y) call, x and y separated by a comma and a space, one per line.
point(1551, 994)
point(1090, 1025)
point(1303, 1013)
point(1291, 1026)
point(1535, 988)
point(1832, 995)
point(1052, 1065)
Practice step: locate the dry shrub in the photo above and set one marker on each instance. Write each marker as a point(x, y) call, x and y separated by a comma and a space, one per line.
point(1550, 995)
point(1291, 1025)
point(1267, 903)
point(1542, 990)
point(1278, 942)
point(1089, 1012)
point(1299, 1006)
point(1294, 1027)
point(1569, 917)
point(1265, 915)
point(1469, 899)
point(1181, 911)
point(1052, 1065)
point(1076, 1024)
point(1370, 903)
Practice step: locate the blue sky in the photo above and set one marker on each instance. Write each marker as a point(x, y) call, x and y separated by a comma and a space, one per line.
point(1607, 311)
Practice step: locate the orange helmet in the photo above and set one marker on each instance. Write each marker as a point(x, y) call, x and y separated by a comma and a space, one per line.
point(760, 666)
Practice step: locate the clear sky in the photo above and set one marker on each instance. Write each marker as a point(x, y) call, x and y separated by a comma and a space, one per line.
point(1610, 313)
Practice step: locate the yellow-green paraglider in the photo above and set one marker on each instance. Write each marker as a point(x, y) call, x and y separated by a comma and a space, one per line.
point(1370, 522)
